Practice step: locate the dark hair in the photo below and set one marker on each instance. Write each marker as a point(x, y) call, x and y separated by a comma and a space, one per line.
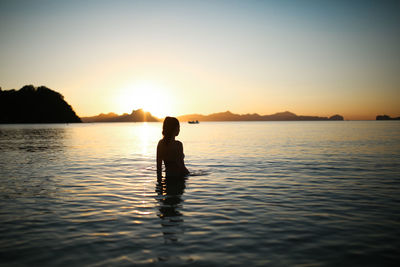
point(169, 126)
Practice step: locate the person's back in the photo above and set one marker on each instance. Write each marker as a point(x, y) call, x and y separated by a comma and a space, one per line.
point(170, 151)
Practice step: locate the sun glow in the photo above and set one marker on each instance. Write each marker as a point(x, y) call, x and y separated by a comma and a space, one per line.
point(148, 96)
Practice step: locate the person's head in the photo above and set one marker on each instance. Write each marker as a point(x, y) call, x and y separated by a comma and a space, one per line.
point(170, 128)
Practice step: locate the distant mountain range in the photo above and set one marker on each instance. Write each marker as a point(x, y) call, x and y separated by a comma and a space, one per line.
point(280, 116)
point(42, 105)
point(141, 116)
point(136, 116)
point(386, 118)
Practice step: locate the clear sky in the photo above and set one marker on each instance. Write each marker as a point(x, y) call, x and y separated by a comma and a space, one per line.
point(180, 57)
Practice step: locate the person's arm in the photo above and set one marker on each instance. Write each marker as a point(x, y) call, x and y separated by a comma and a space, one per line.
point(182, 162)
point(159, 162)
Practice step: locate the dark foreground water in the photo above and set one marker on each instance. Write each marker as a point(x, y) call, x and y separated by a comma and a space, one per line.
point(265, 194)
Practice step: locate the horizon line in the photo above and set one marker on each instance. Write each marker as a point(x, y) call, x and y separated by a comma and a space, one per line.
point(240, 114)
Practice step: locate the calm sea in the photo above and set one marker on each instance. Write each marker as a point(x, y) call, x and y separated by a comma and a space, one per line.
point(263, 194)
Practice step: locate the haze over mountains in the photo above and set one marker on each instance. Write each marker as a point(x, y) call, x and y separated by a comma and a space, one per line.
point(280, 116)
point(141, 116)
point(136, 116)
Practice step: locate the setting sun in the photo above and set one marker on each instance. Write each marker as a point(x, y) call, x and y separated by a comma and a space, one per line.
point(146, 95)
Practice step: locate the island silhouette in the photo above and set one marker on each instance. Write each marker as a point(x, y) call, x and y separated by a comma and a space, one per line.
point(43, 105)
point(140, 115)
point(35, 105)
point(386, 118)
point(280, 116)
point(136, 116)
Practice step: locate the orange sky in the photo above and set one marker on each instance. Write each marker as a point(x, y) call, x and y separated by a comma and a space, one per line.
point(174, 58)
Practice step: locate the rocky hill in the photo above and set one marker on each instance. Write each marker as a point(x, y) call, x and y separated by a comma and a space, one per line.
point(280, 116)
point(35, 105)
point(386, 118)
point(136, 116)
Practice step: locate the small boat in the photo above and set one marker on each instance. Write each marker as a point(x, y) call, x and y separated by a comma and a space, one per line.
point(193, 122)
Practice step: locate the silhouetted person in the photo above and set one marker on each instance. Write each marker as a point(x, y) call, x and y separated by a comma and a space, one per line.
point(170, 151)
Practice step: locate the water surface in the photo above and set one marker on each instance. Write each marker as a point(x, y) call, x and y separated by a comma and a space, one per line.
point(267, 193)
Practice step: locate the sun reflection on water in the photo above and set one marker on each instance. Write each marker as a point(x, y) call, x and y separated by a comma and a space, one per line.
point(144, 137)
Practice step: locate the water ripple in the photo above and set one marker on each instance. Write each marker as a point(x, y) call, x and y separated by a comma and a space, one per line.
point(280, 194)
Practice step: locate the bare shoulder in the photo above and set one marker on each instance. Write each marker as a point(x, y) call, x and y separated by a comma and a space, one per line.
point(178, 143)
point(160, 143)
point(179, 146)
